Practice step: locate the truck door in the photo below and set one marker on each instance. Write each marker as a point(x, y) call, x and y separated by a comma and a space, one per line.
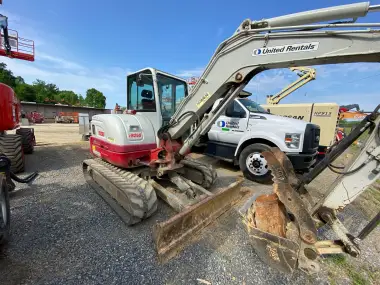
point(231, 126)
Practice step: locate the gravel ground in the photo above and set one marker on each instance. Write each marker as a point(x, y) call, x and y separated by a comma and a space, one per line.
point(64, 233)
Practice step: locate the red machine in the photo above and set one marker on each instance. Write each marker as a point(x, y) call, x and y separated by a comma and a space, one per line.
point(12, 146)
point(35, 117)
point(9, 109)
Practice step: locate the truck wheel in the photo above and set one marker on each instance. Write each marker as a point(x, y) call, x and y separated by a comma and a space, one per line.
point(253, 164)
point(11, 146)
point(28, 139)
point(4, 210)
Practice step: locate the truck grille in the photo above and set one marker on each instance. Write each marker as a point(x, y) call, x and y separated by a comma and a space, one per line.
point(311, 138)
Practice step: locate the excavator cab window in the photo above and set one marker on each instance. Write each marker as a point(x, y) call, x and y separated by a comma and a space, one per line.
point(141, 95)
point(171, 93)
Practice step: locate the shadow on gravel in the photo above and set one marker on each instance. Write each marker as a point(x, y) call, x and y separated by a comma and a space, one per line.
point(56, 157)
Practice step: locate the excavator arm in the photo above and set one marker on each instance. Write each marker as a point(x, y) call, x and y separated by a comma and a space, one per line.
point(282, 226)
point(281, 42)
point(306, 75)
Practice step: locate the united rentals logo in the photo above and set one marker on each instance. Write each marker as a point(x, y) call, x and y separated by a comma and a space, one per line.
point(221, 124)
point(286, 49)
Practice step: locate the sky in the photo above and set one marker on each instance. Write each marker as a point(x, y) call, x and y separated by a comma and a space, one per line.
point(95, 44)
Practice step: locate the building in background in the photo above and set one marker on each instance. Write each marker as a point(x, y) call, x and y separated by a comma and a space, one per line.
point(49, 112)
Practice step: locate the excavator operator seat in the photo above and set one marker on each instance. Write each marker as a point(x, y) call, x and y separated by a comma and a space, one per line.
point(147, 101)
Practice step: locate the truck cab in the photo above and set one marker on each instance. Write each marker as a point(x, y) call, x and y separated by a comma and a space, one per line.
point(246, 129)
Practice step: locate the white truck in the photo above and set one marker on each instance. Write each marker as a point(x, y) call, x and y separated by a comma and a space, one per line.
point(246, 129)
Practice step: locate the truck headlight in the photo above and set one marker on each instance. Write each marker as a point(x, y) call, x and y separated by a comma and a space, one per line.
point(292, 140)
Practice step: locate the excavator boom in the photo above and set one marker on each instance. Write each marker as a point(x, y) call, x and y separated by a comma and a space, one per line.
point(253, 49)
point(306, 75)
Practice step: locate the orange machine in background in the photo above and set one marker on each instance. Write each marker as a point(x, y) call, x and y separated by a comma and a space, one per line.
point(67, 117)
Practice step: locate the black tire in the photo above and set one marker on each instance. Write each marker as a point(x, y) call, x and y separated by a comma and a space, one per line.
point(208, 172)
point(11, 146)
point(248, 173)
point(5, 212)
point(28, 139)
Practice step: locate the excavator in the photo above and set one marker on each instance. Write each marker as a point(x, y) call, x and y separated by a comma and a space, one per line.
point(306, 75)
point(145, 152)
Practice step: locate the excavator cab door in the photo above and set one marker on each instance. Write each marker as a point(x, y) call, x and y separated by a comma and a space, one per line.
point(171, 93)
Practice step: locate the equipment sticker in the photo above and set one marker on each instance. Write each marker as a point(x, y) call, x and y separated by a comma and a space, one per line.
point(97, 153)
point(203, 100)
point(322, 114)
point(135, 136)
point(313, 46)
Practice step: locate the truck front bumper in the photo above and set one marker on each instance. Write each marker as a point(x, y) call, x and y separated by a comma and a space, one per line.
point(302, 161)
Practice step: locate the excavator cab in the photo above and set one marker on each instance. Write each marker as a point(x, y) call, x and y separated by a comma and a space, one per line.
point(156, 94)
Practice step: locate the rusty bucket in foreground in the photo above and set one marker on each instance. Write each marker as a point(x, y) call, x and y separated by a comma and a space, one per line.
point(279, 225)
point(176, 233)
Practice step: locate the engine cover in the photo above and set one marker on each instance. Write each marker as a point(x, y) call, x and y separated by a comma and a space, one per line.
point(123, 140)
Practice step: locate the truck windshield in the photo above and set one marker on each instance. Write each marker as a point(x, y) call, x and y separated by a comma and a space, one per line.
point(253, 106)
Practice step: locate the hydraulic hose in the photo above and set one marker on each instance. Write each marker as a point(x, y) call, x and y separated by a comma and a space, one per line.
point(27, 179)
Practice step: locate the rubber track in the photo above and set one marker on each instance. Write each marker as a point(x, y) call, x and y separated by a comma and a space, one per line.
point(28, 139)
point(208, 172)
point(11, 146)
point(138, 196)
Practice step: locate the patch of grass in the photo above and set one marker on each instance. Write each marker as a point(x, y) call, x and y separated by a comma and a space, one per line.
point(369, 200)
point(341, 265)
point(338, 259)
point(331, 278)
point(357, 278)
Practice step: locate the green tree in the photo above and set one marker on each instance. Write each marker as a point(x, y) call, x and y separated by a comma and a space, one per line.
point(19, 80)
point(45, 92)
point(95, 98)
point(25, 92)
point(68, 97)
point(6, 76)
point(82, 101)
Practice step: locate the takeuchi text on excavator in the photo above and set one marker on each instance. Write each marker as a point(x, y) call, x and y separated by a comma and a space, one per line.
point(145, 152)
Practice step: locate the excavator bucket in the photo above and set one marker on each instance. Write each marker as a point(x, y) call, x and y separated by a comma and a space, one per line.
point(279, 225)
point(174, 234)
